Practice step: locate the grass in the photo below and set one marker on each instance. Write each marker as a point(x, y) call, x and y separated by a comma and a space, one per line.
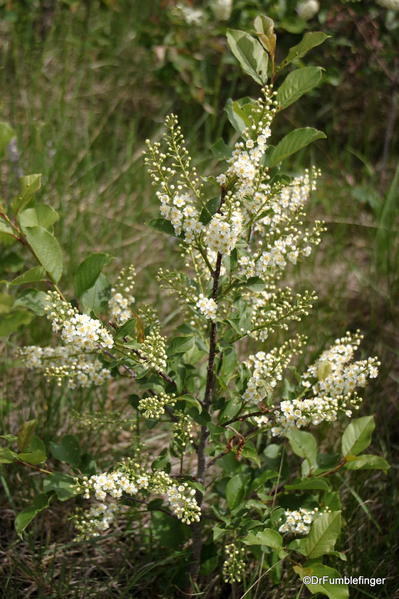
point(80, 92)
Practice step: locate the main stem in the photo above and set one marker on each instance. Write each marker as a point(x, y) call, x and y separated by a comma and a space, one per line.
point(209, 389)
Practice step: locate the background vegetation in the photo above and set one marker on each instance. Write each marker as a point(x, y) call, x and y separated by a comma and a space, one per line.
point(84, 84)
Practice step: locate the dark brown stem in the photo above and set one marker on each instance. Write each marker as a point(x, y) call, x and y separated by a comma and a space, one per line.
point(209, 390)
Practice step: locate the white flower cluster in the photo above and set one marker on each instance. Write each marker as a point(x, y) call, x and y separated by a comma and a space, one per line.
point(207, 306)
point(267, 369)
point(79, 330)
point(389, 4)
point(182, 213)
point(223, 231)
point(131, 478)
point(152, 351)
point(63, 363)
point(298, 521)
point(121, 296)
point(234, 564)
point(307, 9)
point(192, 16)
point(335, 378)
point(154, 406)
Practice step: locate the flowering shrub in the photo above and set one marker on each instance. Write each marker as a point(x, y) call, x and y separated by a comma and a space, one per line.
point(240, 473)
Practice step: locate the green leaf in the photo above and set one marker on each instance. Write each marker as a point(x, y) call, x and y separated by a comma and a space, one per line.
point(310, 40)
point(309, 484)
point(264, 28)
point(7, 456)
point(37, 273)
point(47, 250)
point(6, 229)
point(368, 462)
point(293, 142)
point(180, 345)
point(35, 452)
point(323, 535)
point(304, 445)
point(267, 537)
point(357, 435)
point(41, 215)
point(239, 112)
point(25, 517)
point(209, 210)
point(68, 450)
point(249, 53)
point(95, 299)
point(63, 485)
point(29, 186)
point(163, 225)
point(25, 434)
point(333, 591)
point(235, 491)
point(6, 135)
point(33, 300)
point(296, 84)
point(88, 272)
point(11, 322)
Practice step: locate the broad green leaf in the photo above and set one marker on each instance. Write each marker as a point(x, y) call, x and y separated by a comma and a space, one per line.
point(46, 249)
point(293, 142)
point(368, 462)
point(163, 225)
point(12, 321)
point(30, 184)
point(296, 84)
point(249, 53)
point(6, 303)
point(180, 345)
point(209, 210)
point(33, 300)
point(310, 40)
point(304, 445)
point(88, 272)
point(63, 485)
point(239, 112)
point(41, 215)
point(357, 435)
point(6, 135)
point(25, 434)
point(37, 273)
point(264, 28)
point(333, 591)
point(68, 450)
point(267, 537)
point(95, 299)
point(7, 456)
point(25, 517)
point(323, 535)
point(309, 484)
point(235, 491)
point(35, 452)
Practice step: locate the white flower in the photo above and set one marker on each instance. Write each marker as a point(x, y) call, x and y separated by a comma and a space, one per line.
point(207, 307)
point(307, 9)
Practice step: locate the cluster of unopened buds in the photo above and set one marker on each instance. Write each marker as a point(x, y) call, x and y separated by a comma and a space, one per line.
point(65, 363)
point(96, 520)
point(152, 351)
point(234, 564)
point(121, 296)
point(79, 330)
point(182, 431)
point(154, 406)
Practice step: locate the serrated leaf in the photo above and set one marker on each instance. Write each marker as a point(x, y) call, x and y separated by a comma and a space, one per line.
point(333, 591)
point(33, 275)
point(30, 184)
point(88, 272)
point(33, 300)
point(323, 535)
point(293, 142)
point(239, 112)
point(267, 537)
point(357, 435)
point(25, 517)
point(296, 84)
point(47, 250)
point(35, 452)
point(163, 225)
point(368, 462)
point(235, 491)
point(95, 299)
point(309, 484)
point(310, 40)
point(249, 53)
point(40, 215)
point(68, 450)
point(209, 210)
point(63, 485)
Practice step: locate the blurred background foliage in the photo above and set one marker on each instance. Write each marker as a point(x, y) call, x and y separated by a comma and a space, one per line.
point(83, 84)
